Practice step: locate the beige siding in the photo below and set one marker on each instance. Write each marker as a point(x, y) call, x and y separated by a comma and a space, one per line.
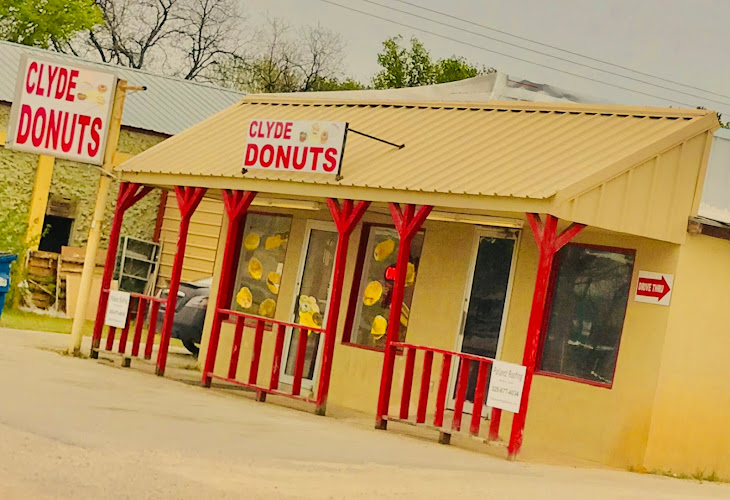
point(652, 198)
point(202, 239)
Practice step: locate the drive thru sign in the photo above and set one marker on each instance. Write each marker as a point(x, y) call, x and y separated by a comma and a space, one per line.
point(654, 288)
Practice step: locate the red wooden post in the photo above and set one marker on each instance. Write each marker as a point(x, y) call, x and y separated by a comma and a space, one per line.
point(188, 199)
point(138, 324)
point(258, 340)
point(425, 386)
point(346, 219)
point(438, 418)
point(494, 421)
point(296, 386)
point(151, 330)
point(405, 400)
point(278, 350)
point(481, 388)
point(462, 383)
point(110, 338)
point(125, 331)
point(236, 204)
point(407, 222)
point(236, 348)
point(129, 194)
point(549, 243)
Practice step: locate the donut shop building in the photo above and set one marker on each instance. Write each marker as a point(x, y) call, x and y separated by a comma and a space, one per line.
point(513, 271)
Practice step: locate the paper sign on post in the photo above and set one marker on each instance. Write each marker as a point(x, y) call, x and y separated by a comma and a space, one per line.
point(295, 146)
point(61, 109)
point(117, 309)
point(505, 386)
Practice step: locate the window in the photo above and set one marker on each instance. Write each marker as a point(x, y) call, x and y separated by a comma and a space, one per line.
point(590, 291)
point(369, 309)
point(260, 266)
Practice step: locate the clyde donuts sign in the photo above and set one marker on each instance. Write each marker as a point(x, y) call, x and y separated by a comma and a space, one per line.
point(295, 145)
point(61, 110)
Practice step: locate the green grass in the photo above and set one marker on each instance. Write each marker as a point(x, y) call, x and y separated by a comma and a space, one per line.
point(699, 475)
point(13, 318)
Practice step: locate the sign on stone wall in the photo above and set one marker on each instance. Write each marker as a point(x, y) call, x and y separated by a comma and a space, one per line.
point(61, 206)
point(61, 110)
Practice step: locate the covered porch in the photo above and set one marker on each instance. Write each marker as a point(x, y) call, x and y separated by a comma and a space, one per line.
point(467, 174)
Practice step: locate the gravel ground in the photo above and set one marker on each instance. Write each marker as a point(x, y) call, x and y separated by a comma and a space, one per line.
point(73, 428)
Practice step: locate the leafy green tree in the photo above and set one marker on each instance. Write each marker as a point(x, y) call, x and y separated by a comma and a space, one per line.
point(413, 66)
point(39, 23)
point(403, 67)
point(329, 84)
point(454, 69)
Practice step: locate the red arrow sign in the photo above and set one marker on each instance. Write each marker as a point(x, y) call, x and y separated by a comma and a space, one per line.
point(652, 288)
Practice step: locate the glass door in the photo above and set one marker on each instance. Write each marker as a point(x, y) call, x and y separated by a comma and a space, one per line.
point(485, 303)
point(311, 299)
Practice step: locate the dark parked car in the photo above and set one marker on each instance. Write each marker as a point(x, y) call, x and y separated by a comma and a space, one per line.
point(192, 302)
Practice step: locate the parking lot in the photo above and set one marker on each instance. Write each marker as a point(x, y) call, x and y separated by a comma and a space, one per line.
point(74, 428)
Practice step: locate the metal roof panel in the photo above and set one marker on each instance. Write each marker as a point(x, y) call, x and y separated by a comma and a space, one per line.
point(526, 150)
point(168, 106)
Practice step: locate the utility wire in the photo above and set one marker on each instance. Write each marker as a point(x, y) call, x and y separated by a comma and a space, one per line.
point(507, 55)
point(554, 47)
point(596, 68)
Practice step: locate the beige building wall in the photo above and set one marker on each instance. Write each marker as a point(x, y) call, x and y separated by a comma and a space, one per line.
point(608, 426)
point(565, 417)
point(690, 425)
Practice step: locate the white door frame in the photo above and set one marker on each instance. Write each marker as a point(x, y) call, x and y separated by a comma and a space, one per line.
point(479, 233)
point(308, 384)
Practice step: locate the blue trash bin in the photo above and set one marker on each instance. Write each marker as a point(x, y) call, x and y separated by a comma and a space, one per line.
point(5, 260)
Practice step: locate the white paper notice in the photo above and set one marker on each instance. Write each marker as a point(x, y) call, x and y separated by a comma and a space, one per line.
point(505, 386)
point(117, 308)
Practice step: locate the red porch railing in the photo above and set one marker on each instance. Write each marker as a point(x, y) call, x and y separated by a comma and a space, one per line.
point(141, 308)
point(278, 328)
point(465, 363)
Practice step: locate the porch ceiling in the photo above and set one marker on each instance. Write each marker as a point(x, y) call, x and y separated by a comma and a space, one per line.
point(498, 156)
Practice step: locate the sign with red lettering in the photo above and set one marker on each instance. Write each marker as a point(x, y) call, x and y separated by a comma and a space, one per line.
point(61, 110)
point(295, 146)
point(654, 288)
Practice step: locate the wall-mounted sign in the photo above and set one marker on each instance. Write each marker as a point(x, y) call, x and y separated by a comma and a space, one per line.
point(61, 207)
point(505, 386)
point(654, 288)
point(61, 110)
point(116, 311)
point(295, 146)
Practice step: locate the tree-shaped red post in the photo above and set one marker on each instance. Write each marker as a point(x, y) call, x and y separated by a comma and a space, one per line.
point(548, 242)
point(346, 217)
point(408, 222)
point(129, 194)
point(188, 199)
point(236, 204)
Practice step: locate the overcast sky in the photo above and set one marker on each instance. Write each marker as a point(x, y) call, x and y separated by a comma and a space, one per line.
point(681, 40)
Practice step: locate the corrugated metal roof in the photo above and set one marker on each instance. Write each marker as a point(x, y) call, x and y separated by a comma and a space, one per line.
point(168, 106)
point(522, 150)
